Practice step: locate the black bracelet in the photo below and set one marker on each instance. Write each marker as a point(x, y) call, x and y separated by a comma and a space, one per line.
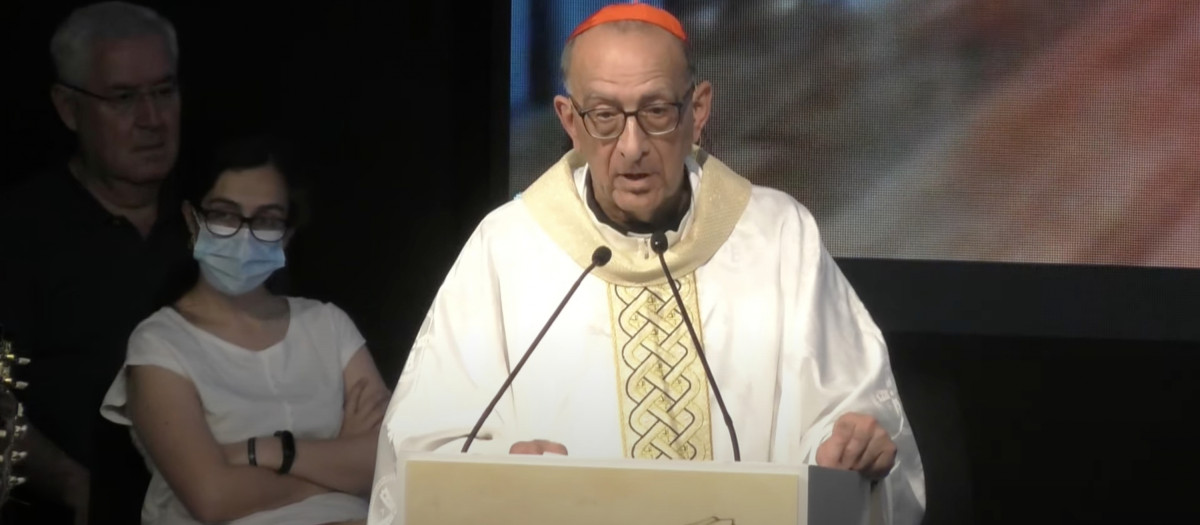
point(289, 450)
point(250, 452)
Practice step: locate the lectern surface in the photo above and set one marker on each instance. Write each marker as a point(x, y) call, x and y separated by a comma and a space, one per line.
point(448, 489)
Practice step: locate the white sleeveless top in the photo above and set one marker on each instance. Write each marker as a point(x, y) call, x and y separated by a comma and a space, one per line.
point(296, 384)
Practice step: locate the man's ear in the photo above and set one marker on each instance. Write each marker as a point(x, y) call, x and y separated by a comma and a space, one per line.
point(66, 104)
point(701, 108)
point(565, 109)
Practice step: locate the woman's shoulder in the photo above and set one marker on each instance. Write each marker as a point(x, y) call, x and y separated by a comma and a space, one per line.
point(164, 333)
point(325, 323)
point(305, 307)
point(164, 322)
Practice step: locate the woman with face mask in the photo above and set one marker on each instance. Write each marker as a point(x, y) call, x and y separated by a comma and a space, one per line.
point(250, 407)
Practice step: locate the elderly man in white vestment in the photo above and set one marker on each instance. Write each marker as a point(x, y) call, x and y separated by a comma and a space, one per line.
point(802, 367)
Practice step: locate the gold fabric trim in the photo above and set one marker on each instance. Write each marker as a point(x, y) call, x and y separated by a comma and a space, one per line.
point(662, 386)
point(556, 206)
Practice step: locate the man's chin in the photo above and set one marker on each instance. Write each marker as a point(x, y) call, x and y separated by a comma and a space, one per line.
point(146, 175)
point(639, 216)
point(637, 204)
point(636, 213)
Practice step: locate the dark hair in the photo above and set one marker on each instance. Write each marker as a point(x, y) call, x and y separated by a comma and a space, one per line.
point(246, 152)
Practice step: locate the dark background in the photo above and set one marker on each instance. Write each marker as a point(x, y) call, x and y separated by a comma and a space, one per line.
point(389, 103)
point(1052, 394)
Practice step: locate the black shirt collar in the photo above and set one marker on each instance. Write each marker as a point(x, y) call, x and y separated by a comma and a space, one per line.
point(90, 209)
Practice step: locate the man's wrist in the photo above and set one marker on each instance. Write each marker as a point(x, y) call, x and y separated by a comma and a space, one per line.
point(76, 485)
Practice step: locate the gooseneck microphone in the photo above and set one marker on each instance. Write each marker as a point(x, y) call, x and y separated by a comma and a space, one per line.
point(600, 257)
point(658, 242)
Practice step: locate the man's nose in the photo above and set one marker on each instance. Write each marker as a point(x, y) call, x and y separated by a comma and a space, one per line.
point(147, 112)
point(633, 142)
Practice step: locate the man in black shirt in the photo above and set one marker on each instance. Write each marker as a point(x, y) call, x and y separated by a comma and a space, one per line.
point(87, 251)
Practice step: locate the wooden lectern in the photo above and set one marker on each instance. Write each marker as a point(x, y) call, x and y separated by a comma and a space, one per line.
point(468, 489)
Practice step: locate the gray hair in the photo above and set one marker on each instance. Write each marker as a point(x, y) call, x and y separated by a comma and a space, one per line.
point(624, 26)
point(71, 46)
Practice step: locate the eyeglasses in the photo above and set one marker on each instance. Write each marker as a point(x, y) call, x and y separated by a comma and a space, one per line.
point(227, 224)
point(126, 100)
point(604, 122)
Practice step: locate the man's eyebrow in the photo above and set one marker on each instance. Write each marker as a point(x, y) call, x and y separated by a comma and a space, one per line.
point(662, 95)
point(596, 97)
point(168, 79)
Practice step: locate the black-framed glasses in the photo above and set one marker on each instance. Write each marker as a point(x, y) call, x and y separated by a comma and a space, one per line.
point(605, 122)
point(126, 100)
point(226, 224)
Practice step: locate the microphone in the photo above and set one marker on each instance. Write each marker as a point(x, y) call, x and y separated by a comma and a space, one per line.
point(658, 243)
point(600, 257)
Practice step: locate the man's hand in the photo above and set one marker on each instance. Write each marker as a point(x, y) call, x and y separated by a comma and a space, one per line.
point(55, 475)
point(858, 443)
point(537, 447)
point(76, 495)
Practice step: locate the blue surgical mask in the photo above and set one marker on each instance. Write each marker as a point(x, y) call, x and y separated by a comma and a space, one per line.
point(236, 264)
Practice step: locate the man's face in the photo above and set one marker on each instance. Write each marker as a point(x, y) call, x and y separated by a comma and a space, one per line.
point(134, 135)
point(635, 175)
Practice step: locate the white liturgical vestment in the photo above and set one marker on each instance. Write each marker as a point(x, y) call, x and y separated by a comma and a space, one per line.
point(790, 345)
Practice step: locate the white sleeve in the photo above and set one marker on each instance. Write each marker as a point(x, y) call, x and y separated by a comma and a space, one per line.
point(386, 490)
point(146, 348)
point(837, 362)
point(457, 362)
